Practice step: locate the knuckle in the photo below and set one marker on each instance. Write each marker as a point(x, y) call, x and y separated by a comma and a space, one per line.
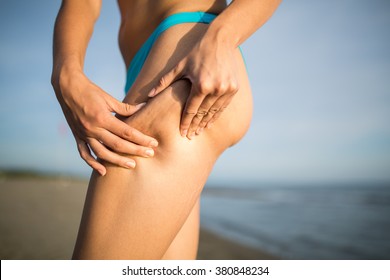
point(176, 69)
point(86, 125)
point(221, 88)
point(234, 87)
point(137, 150)
point(128, 108)
point(100, 118)
point(89, 162)
point(83, 155)
point(162, 82)
point(202, 111)
point(82, 152)
point(128, 133)
point(86, 157)
point(213, 110)
point(116, 145)
point(99, 153)
point(190, 112)
point(205, 86)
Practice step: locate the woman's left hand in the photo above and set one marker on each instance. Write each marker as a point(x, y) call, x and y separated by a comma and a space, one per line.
point(211, 68)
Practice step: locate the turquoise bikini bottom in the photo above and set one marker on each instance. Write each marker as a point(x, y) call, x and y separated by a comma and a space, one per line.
point(140, 57)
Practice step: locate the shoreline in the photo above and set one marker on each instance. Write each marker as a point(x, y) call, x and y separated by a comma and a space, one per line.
point(32, 230)
point(216, 247)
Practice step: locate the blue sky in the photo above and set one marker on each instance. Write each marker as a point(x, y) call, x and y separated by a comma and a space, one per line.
point(319, 72)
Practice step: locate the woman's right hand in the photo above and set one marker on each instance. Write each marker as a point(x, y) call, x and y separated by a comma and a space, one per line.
point(89, 113)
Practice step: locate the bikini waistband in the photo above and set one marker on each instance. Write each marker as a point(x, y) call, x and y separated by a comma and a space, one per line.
point(138, 61)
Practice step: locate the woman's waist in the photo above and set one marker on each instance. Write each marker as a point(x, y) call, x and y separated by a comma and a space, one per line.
point(141, 18)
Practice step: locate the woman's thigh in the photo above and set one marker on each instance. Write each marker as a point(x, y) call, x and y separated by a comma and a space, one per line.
point(185, 244)
point(136, 213)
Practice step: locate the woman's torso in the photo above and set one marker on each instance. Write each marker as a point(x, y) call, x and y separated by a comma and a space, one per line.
point(140, 17)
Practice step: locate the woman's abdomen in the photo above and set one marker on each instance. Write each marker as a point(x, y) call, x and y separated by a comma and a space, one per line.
point(140, 17)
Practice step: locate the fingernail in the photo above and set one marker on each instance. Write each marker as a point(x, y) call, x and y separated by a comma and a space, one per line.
point(152, 92)
point(209, 125)
point(184, 133)
point(198, 131)
point(201, 130)
point(192, 135)
point(154, 143)
point(149, 152)
point(130, 164)
point(102, 172)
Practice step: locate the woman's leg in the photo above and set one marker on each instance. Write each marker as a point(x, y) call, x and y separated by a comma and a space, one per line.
point(185, 244)
point(136, 214)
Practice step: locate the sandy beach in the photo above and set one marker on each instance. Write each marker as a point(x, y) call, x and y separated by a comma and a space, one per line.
point(39, 218)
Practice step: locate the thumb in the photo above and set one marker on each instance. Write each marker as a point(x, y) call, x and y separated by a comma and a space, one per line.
point(125, 109)
point(169, 78)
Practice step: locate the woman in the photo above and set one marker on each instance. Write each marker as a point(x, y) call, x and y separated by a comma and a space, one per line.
point(187, 89)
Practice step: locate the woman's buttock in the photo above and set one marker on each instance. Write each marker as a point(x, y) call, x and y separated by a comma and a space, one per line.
point(167, 51)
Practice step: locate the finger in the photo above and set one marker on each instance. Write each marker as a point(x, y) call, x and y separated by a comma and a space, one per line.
point(201, 113)
point(85, 154)
point(103, 153)
point(214, 108)
point(167, 79)
point(219, 112)
point(120, 145)
point(190, 110)
point(123, 130)
point(123, 109)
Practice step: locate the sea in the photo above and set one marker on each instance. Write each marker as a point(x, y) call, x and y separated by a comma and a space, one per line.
point(310, 221)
